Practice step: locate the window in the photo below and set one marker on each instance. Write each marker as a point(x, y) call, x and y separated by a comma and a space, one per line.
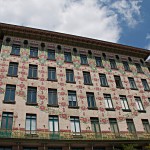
point(32, 71)
point(108, 102)
point(10, 93)
point(138, 67)
point(69, 76)
point(114, 125)
point(130, 125)
point(132, 83)
point(77, 148)
point(15, 49)
point(98, 148)
point(32, 95)
point(103, 80)
point(51, 54)
point(146, 125)
point(87, 78)
point(54, 148)
point(72, 98)
point(112, 64)
point(83, 59)
point(126, 66)
point(118, 82)
point(52, 97)
point(95, 125)
point(145, 85)
point(99, 62)
point(30, 148)
point(124, 103)
point(33, 52)
point(13, 69)
point(7, 120)
point(75, 125)
point(139, 104)
point(53, 124)
point(91, 100)
point(30, 123)
point(68, 57)
point(52, 73)
point(5, 148)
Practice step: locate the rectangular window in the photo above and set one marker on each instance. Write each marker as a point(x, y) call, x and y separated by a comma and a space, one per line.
point(69, 76)
point(95, 125)
point(139, 104)
point(30, 123)
point(146, 125)
point(10, 93)
point(7, 120)
point(99, 62)
point(51, 54)
point(145, 85)
point(33, 52)
point(75, 125)
point(13, 69)
point(55, 148)
point(114, 125)
point(72, 98)
point(15, 49)
point(30, 148)
point(32, 71)
point(32, 95)
point(124, 103)
point(126, 66)
point(68, 57)
point(83, 59)
point(132, 83)
point(118, 82)
point(52, 97)
point(87, 78)
point(108, 101)
point(138, 67)
point(52, 73)
point(131, 126)
point(113, 64)
point(103, 80)
point(53, 124)
point(91, 100)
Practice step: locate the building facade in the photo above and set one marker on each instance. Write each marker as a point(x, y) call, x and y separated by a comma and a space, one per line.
point(64, 92)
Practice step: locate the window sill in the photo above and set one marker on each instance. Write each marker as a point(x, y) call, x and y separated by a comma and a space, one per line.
point(104, 85)
point(73, 82)
point(35, 78)
point(126, 110)
point(51, 59)
point(12, 75)
point(147, 90)
point(14, 54)
point(88, 84)
point(73, 107)
point(140, 72)
point(31, 104)
point(134, 88)
point(119, 87)
point(70, 62)
point(85, 64)
point(93, 108)
point(110, 109)
point(55, 80)
point(9, 102)
point(36, 57)
point(99, 66)
point(52, 105)
point(142, 111)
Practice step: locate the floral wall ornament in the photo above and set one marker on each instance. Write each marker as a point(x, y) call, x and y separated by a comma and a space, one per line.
point(59, 59)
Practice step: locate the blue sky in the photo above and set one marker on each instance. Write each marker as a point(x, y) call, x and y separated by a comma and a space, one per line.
point(121, 21)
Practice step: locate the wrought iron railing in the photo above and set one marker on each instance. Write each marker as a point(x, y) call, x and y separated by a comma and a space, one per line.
point(72, 136)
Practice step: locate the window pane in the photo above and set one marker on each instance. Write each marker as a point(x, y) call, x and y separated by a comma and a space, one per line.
point(51, 54)
point(52, 97)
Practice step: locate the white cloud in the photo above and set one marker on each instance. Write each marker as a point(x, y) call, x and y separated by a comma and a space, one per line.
point(91, 18)
point(148, 36)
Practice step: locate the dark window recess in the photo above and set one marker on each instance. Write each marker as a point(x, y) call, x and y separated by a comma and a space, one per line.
point(30, 148)
point(138, 67)
point(53, 148)
point(10, 93)
point(72, 98)
point(130, 125)
point(99, 62)
point(126, 66)
point(52, 97)
point(15, 50)
point(32, 95)
point(114, 125)
point(69, 75)
point(103, 80)
point(51, 73)
point(13, 69)
point(132, 83)
point(91, 100)
point(83, 59)
point(51, 54)
point(108, 101)
point(95, 125)
point(68, 57)
point(33, 52)
point(145, 85)
point(146, 125)
point(32, 71)
point(118, 82)
point(113, 64)
point(87, 78)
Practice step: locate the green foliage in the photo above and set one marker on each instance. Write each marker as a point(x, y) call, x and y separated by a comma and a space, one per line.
point(129, 146)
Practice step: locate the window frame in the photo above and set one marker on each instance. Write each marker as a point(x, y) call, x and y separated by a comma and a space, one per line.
point(103, 79)
point(108, 100)
point(32, 93)
point(68, 57)
point(87, 78)
point(70, 76)
point(13, 69)
point(126, 66)
point(91, 100)
point(99, 62)
point(131, 126)
point(124, 103)
point(71, 104)
point(51, 101)
point(95, 125)
point(114, 125)
point(33, 71)
point(118, 82)
point(138, 68)
point(113, 64)
point(52, 74)
point(51, 54)
point(132, 83)
point(139, 104)
point(15, 50)
point(33, 52)
point(146, 125)
point(76, 122)
point(83, 59)
point(145, 85)
point(55, 121)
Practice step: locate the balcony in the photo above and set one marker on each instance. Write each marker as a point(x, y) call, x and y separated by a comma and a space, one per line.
point(72, 136)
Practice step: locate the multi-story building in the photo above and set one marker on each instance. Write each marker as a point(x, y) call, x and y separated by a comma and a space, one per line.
point(65, 92)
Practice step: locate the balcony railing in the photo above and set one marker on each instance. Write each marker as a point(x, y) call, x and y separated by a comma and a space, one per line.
point(72, 136)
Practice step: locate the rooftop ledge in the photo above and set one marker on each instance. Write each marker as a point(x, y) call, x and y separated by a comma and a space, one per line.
point(71, 40)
